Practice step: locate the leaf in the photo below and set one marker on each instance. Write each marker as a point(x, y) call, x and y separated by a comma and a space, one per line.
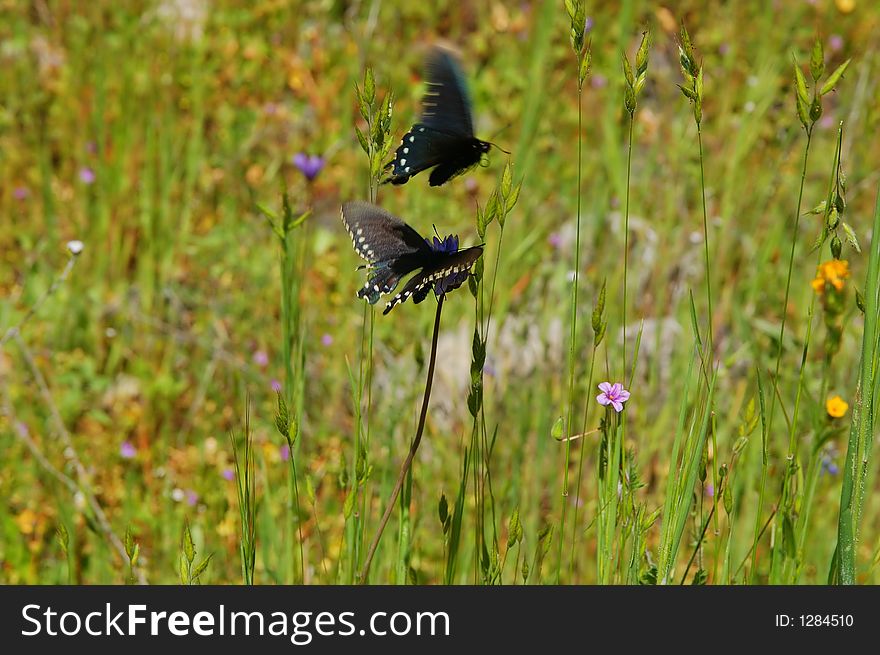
point(365, 146)
point(851, 237)
point(514, 529)
point(201, 567)
point(817, 61)
point(189, 547)
point(183, 571)
point(369, 86)
point(348, 505)
point(818, 209)
point(506, 181)
point(512, 200)
point(689, 94)
point(557, 429)
point(310, 489)
point(586, 65)
point(642, 55)
point(801, 85)
point(628, 73)
point(63, 537)
point(832, 80)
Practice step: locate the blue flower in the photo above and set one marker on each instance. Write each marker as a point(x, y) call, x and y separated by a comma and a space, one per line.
point(308, 165)
point(450, 282)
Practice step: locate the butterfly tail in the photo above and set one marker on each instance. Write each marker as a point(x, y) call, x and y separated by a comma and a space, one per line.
point(382, 280)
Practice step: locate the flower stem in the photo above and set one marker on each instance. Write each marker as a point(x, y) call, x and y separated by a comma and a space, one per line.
point(770, 412)
point(710, 345)
point(626, 241)
point(572, 341)
point(407, 463)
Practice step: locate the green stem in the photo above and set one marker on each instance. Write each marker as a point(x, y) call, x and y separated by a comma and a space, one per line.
point(572, 341)
point(407, 464)
point(794, 236)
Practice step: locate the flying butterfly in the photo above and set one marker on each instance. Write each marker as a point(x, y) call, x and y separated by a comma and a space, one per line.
point(444, 137)
point(394, 250)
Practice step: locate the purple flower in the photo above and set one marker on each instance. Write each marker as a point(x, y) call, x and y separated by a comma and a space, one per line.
point(588, 25)
point(308, 165)
point(829, 466)
point(191, 498)
point(127, 450)
point(710, 490)
point(835, 43)
point(228, 474)
point(326, 340)
point(21, 193)
point(261, 359)
point(555, 240)
point(612, 394)
point(450, 282)
point(598, 81)
point(276, 386)
point(284, 452)
point(86, 175)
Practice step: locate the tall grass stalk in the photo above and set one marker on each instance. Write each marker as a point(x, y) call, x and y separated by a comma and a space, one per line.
point(794, 238)
point(861, 434)
point(376, 144)
point(414, 446)
point(577, 23)
point(245, 483)
point(789, 495)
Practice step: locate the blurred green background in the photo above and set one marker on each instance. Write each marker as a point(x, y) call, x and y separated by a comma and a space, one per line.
point(150, 131)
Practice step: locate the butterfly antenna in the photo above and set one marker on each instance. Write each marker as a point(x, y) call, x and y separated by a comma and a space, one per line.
point(496, 135)
point(495, 145)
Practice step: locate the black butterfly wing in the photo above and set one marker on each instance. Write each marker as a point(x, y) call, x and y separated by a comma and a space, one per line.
point(444, 137)
point(424, 147)
point(446, 106)
point(392, 247)
point(443, 265)
point(378, 236)
point(463, 159)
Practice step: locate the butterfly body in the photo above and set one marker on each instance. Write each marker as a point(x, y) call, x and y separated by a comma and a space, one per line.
point(444, 138)
point(394, 250)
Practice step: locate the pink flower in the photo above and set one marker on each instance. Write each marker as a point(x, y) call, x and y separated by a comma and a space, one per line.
point(612, 394)
point(86, 175)
point(261, 358)
point(127, 450)
point(228, 474)
point(276, 386)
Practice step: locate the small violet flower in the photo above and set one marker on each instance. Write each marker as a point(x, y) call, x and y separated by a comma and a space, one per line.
point(127, 450)
point(326, 340)
point(261, 359)
point(613, 394)
point(21, 193)
point(276, 386)
point(228, 474)
point(192, 498)
point(450, 282)
point(308, 165)
point(86, 175)
point(284, 452)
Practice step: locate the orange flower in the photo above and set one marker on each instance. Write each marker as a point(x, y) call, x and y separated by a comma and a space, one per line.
point(836, 406)
point(833, 272)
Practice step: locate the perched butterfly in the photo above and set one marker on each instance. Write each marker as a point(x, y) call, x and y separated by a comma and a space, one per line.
point(444, 138)
point(394, 250)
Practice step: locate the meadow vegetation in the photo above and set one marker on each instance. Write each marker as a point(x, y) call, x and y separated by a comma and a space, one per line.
point(191, 392)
